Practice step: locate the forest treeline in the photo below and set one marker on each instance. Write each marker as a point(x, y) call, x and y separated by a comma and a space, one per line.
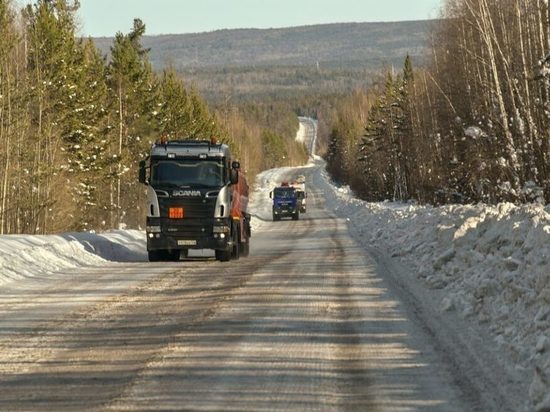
point(473, 125)
point(467, 124)
point(334, 45)
point(73, 125)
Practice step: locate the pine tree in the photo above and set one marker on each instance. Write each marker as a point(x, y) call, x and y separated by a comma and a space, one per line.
point(405, 142)
point(52, 68)
point(181, 113)
point(173, 112)
point(86, 134)
point(334, 156)
point(131, 80)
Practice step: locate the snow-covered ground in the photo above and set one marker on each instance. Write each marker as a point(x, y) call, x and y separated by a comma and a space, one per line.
point(489, 264)
point(28, 256)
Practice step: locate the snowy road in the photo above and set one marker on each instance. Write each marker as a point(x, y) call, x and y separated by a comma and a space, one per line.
point(306, 322)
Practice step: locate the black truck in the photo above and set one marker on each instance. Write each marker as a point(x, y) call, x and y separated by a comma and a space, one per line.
point(196, 199)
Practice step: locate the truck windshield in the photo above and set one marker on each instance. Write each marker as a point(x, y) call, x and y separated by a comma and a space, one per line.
point(186, 172)
point(287, 192)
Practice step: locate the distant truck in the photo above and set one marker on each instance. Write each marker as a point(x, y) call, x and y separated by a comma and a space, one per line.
point(302, 195)
point(196, 199)
point(300, 185)
point(285, 202)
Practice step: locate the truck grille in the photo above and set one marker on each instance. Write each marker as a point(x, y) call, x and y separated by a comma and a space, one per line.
point(193, 208)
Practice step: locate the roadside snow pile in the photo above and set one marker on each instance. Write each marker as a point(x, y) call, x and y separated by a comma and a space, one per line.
point(301, 133)
point(25, 256)
point(492, 264)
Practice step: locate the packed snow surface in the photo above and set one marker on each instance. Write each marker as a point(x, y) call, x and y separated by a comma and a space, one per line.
point(491, 264)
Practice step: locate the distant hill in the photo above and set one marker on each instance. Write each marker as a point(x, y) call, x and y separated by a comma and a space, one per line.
point(333, 45)
point(288, 63)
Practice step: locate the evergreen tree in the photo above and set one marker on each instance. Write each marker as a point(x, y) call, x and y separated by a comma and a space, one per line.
point(86, 135)
point(131, 81)
point(173, 113)
point(274, 149)
point(52, 66)
point(405, 142)
point(334, 156)
point(380, 145)
point(388, 144)
point(203, 125)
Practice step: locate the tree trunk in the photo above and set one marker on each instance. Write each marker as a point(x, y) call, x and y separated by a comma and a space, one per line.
point(120, 139)
point(485, 27)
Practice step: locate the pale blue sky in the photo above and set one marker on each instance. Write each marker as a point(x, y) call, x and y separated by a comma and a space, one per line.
point(106, 17)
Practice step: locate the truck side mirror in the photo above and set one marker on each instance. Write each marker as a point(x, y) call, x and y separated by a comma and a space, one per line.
point(305, 194)
point(142, 172)
point(271, 195)
point(235, 164)
point(234, 176)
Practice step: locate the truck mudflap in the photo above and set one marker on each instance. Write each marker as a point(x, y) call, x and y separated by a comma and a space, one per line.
point(247, 225)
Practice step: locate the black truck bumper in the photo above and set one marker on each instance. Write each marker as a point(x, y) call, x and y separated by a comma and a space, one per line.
point(166, 234)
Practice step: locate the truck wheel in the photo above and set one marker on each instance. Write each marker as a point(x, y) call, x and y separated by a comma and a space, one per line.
point(223, 255)
point(235, 254)
point(154, 255)
point(245, 249)
point(173, 255)
point(296, 216)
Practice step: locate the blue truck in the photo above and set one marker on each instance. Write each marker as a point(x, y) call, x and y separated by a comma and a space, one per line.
point(286, 202)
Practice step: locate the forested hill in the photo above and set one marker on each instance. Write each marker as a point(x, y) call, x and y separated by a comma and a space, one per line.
point(331, 45)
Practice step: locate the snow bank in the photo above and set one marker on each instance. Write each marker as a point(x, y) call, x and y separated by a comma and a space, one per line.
point(301, 133)
point(492, 264)
point(25, 256)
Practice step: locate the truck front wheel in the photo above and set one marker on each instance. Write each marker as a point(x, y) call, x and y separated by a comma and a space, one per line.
point(236, 253)
point(245, 249)
point(223, 255)
point(173, 255)
point(154, 255)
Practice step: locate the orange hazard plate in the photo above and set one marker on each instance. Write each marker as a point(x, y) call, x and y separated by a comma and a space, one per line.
point(175, 213)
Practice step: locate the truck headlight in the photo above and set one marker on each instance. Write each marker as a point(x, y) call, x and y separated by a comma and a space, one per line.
point(153, 229)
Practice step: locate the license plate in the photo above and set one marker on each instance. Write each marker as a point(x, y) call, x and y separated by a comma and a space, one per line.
point(187, 242)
